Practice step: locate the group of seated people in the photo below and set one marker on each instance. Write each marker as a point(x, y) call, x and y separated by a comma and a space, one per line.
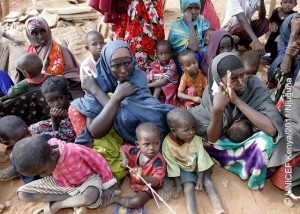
point(77, 132)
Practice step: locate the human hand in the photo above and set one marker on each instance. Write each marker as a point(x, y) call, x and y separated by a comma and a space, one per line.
point(257, 46)
point(221, 99)
point(187, 16)
point(273, 27)
point(124, 163)
point(295, 25)
point(136, 172)
point(90, 84)
point(229, 89)
point(292, 50)
point(57, 112)
point(197, 99)
point(124, 90)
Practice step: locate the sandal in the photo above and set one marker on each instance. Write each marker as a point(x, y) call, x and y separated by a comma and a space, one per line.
point(8, 174)
point(44, 210)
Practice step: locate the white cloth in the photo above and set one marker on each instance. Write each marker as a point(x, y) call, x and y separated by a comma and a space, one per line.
point(87, 67)
point(235, 7)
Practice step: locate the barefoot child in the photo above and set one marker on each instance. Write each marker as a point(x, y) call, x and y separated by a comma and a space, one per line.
point(55, 91)
point(162, 75)
point(192, 82)
point(30, 65)
point(187, 161)
point(94, 43)
point(73, 175)
point(146, 160)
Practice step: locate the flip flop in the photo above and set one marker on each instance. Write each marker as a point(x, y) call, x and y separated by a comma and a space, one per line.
point(119, 209)
point(8, 174)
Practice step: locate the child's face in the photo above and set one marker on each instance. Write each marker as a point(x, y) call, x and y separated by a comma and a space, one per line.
point(20, 133)
point(95, 44)
point(56, 100)
point(250, 70)
point(185, 131)
point(189, 64)
point(225, 45)
point(164, 54)
point(48, 168)
point(288, 5)
point(122, 68)
point(207, 36)
point(148, 143)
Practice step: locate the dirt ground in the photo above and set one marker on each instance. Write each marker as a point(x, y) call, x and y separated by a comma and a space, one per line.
point(234, 193)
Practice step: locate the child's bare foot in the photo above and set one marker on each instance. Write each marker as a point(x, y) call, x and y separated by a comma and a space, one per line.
point(4, 205)
point(108, 194)
point(177, 192)
point(164, 191)
point(8, 174)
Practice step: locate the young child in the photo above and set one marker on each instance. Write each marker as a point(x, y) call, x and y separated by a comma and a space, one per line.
point(73, 175)
point(146, 160)
point(276, 20)
point(94, 43)
point(162, 75)
point(251, 61)
point(55, 91)
point(31, 67)
point(187, 161)
point(12, 130)
point(240, 130)
point(192, 82)
point(207, 35)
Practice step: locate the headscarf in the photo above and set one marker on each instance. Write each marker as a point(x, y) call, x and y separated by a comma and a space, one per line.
point(284, 36)
point(256, 95)
point(179, 35)
point(50, 53)
point(135, 109)
point(212, 48)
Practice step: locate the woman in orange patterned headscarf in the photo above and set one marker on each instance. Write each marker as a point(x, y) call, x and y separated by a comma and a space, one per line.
point(57, 59)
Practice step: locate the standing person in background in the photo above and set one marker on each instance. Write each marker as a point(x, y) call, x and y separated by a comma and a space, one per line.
point(238, 22)
point(208, 12)
point(141, 26)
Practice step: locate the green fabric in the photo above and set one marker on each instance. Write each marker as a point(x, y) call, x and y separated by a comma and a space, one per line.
point(20, 88)
point(108, 146)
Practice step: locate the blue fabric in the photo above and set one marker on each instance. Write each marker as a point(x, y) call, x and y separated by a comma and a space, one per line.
point(138, 108)
point(179, 35)
point(5, 83)
point(285, 32)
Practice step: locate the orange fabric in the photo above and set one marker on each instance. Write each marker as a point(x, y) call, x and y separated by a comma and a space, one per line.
point(199, 83)
point(56, 61)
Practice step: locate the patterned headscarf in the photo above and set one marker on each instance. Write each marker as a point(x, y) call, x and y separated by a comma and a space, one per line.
point(35, 23)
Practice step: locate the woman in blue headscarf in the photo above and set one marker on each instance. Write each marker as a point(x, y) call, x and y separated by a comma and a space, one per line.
point(288, 60)
point(187, 31)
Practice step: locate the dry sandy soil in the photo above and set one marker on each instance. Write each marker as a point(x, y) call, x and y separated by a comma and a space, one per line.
point(235, 195)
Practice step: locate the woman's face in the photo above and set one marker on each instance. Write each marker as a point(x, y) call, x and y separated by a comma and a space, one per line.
point(238, 81)
point(225, 45)
point(194, 9)
point(122, 68)
point(40, 36)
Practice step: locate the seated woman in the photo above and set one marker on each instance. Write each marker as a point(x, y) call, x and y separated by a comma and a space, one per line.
point(116, 68)
point(187, 31)
point(57, 59)
point(288, 60)
point(229, 96)
point(220, 42)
